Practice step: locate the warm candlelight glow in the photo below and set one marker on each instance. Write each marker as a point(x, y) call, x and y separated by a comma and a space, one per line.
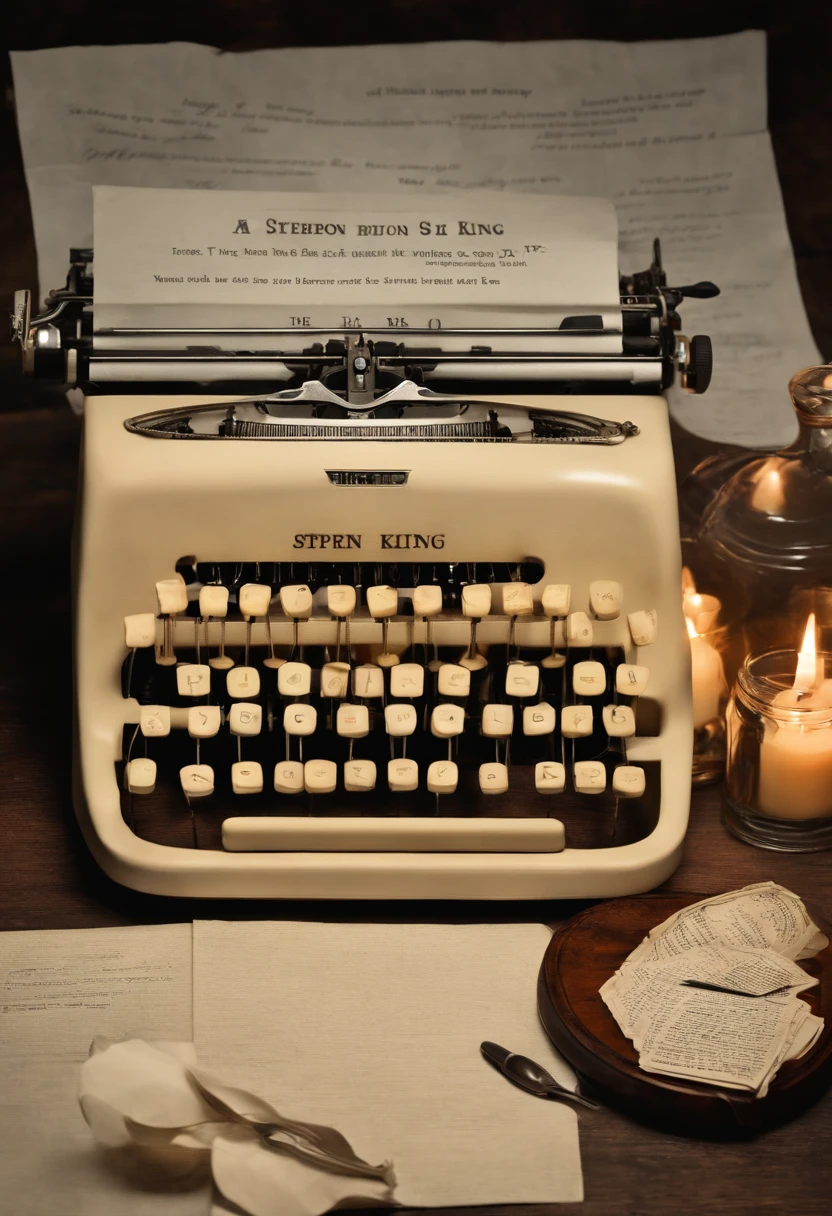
point(691, 628)
point(769, 496)
point(701, 609)
point(806, 674)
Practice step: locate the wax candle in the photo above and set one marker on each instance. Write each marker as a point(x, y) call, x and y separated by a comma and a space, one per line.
point(701, 609)
point(796, 770)
point(796, 752)
point(707, 678)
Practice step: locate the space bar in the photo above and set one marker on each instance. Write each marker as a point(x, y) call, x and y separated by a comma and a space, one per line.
point(365, 834)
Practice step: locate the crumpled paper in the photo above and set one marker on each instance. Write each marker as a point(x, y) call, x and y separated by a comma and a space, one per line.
point(153, 1097)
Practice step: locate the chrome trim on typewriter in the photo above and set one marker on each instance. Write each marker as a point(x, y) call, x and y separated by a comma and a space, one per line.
point(408, 412)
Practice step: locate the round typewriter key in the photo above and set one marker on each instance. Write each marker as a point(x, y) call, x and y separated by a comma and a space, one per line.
point(204, 721)
point(576, 721)
point(359, 775)
point(549, 777)
point(454, 680)
point(628, 781)
point(443, 776)
point(243, 682)
point(335, 680)
point(140, 775)
point(589, 776)
point(497, 721)
point(320, 776)
point(155, 721)
point(288, 777)
point(630, 680)
point(246, 777)
point(254, 599)
point(193, 680)
point(522, 680)
point(619, 721)
point(300, 720)
point(589, 679)
point(644, 627)
point(197, 780)
point(493, 778)
point(407, 680)
point(578, 629)
point(400, 719)
point(352, 721)
point(140, 630)
point(539, 719)
point(245, 718)
point(447, 721)
point(403, 775)
point(605, 599)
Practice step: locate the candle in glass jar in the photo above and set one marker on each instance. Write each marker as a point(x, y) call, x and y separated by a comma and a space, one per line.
point(796, 756)
point(796, 770)
point(707, 678)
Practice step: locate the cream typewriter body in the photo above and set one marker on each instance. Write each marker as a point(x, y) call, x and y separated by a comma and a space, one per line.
point(360, 638)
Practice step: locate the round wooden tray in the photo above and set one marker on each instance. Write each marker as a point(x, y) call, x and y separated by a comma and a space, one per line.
point(584, 953)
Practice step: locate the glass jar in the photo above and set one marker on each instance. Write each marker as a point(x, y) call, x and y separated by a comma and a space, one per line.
point(702, 484)
point(779, 762)
point(769, 528)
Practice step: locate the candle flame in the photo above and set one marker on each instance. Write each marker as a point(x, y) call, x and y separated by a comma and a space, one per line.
point(806, 674)
point(691, 628)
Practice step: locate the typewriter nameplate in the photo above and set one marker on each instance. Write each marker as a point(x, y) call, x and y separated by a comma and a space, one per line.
point(368, 477)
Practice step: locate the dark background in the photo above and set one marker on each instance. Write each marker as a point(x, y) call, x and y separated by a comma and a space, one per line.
point(47, 879)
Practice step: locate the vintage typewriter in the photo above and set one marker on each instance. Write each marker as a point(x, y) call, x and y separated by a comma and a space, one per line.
point(408, 627)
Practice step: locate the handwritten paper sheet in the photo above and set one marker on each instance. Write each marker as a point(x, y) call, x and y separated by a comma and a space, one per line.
point(674, 132)
point(62, 988)
point(376, 1030)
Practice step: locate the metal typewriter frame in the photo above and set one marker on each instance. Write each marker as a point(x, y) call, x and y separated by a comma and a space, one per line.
point(60, 344)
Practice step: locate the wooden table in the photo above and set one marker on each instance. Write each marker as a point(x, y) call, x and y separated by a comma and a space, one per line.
point(49, 879)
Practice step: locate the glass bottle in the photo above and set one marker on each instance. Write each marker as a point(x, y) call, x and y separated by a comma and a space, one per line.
point(769, 529)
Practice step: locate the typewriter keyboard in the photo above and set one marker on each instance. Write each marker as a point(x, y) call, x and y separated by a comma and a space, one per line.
point(419, 691)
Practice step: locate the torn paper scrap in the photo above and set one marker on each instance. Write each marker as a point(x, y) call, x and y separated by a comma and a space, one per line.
point(150, 1097)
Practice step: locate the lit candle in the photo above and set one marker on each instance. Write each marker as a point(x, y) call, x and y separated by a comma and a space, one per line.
point(707, 677)
point(795, 756)
point(701, 609)
point(768, 496)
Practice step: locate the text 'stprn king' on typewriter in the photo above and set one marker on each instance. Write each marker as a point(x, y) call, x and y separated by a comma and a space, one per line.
point(378, 573)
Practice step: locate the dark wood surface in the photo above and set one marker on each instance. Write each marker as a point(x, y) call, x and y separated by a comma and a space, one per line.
point(48, 879)
point(584, 953)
